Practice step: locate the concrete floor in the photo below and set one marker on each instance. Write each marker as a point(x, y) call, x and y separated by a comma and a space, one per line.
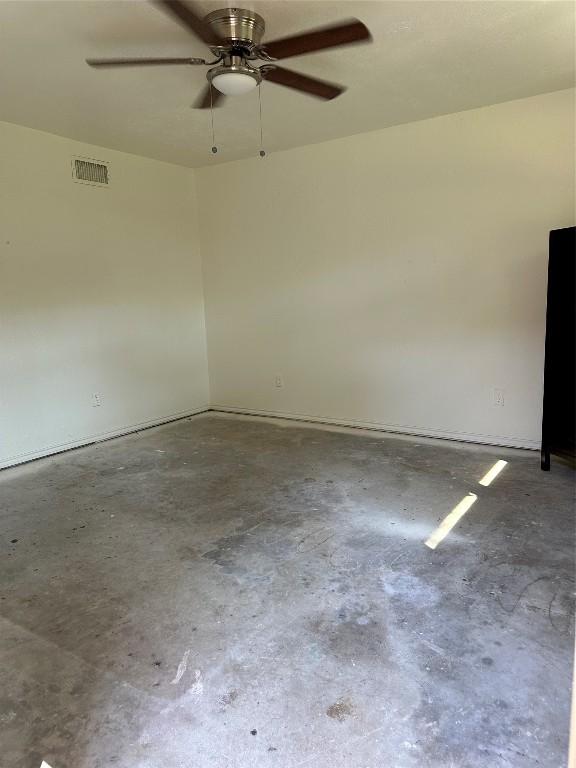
point(230, 593)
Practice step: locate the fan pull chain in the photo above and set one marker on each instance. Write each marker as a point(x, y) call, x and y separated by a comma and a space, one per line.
point(214, 147)
point(262, 151)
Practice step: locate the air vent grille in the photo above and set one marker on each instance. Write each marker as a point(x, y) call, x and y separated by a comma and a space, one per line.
point(89, 171)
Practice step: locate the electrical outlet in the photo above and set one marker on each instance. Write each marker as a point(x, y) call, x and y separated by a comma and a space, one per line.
point(278, 382)
point(498, 397)
point(96, 400)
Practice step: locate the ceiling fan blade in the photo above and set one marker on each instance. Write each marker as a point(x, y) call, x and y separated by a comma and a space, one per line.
point(140, 62)
point(345, 33)
point(190, 17)
point(319, 88)
point(203, 101)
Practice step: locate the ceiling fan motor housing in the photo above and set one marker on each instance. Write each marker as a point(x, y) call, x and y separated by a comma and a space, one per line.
point(237, 27)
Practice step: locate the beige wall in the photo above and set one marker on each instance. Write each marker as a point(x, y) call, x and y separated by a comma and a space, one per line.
point(100, 292)
point(392, 278)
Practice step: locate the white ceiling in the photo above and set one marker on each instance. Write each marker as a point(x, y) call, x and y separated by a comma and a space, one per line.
point(428, 58)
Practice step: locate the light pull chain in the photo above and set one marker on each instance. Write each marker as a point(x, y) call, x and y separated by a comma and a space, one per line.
point(214, 147)
point(262, 151)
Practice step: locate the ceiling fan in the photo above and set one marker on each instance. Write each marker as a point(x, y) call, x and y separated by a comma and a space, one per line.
point(234, 37)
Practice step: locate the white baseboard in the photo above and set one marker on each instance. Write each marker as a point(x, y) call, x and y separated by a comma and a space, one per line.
point(97, 438)
point(401, 429)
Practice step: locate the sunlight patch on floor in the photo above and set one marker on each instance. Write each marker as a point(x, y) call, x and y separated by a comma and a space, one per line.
point(450, 521)
point(493, 472)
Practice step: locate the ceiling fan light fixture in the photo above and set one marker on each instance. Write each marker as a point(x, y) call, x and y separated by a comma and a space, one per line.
point(234, 83)
point(234, 79)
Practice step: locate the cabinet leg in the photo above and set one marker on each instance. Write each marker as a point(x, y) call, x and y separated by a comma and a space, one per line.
point(545, 459)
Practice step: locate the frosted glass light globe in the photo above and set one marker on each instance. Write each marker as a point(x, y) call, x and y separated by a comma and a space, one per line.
point(234, 83)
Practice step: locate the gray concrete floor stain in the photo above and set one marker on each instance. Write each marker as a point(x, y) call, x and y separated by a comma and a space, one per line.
point(229, 593)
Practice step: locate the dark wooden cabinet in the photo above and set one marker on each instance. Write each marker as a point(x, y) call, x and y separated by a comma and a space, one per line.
point(559, 413)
